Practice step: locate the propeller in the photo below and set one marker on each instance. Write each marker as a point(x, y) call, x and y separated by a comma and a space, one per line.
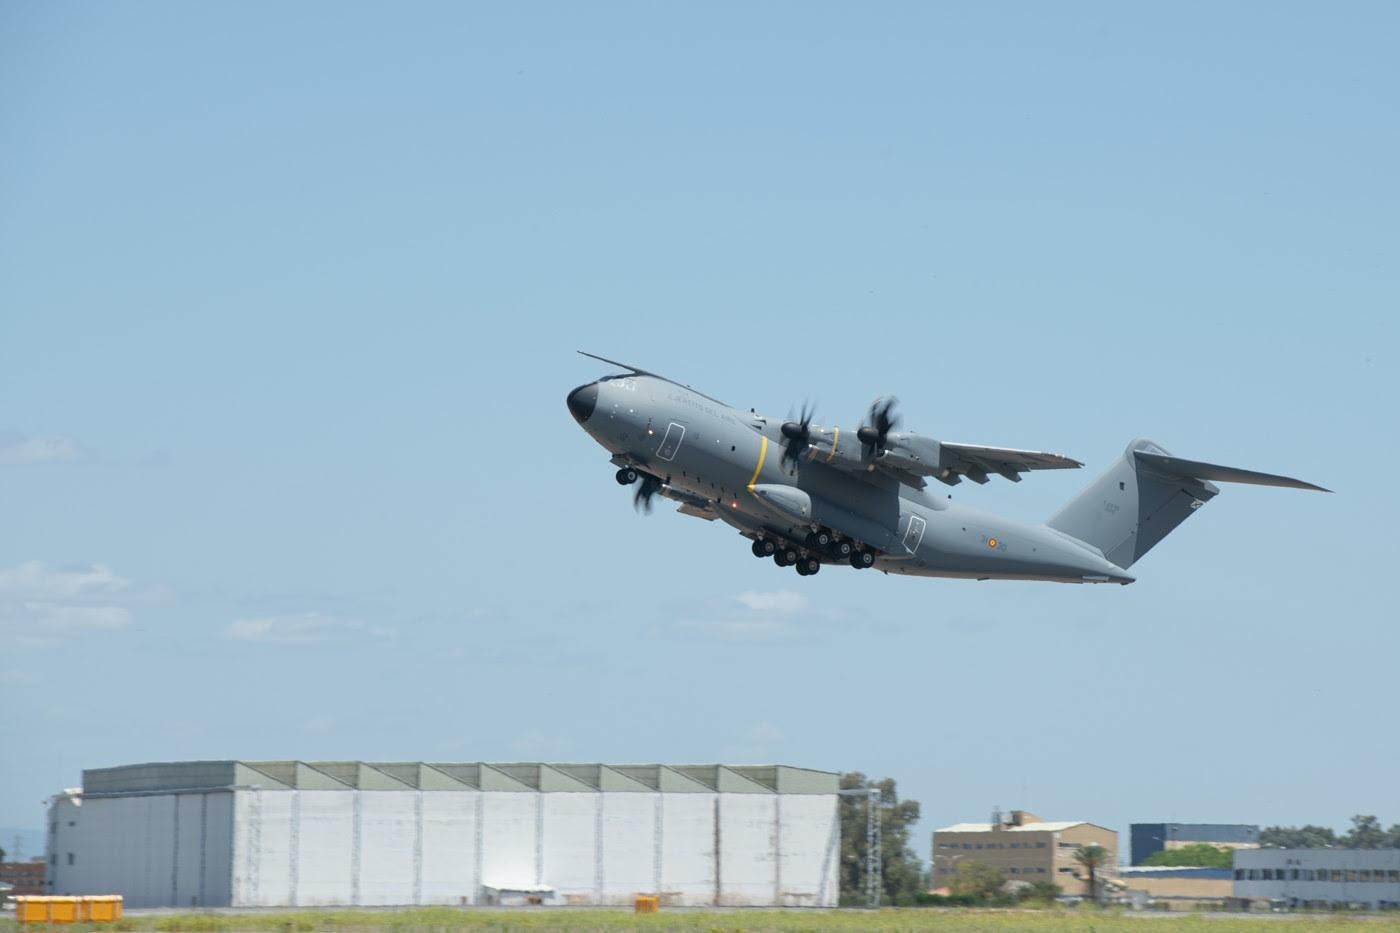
point(798, 434)
point(882, 421)
point(648, 487)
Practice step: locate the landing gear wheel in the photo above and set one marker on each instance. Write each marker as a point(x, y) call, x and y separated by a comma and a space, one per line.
point(762, 547)
point(841, 549)
point(785, 558)
point(862, 559)
point(808, 566)
point(822, 539)
point(626, 476)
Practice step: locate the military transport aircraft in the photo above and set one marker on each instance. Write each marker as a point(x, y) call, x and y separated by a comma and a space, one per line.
point(808, 495)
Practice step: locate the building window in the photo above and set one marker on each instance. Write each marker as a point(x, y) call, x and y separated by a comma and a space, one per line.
point(1351, 874)
point(1394, 875)
point(1040, 845)
point(1293, 875)
point(1365, 874)
point(1066, 871)
point(1239, 874)
point(1336, 874)
point(70, 858)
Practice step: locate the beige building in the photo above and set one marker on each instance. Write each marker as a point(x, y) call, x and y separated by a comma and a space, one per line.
point(1024, 848)
point(1176, 887)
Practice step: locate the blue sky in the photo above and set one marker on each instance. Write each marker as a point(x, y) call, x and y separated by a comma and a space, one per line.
point(288, 303)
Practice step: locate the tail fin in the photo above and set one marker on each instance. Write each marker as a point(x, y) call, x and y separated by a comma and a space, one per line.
point(1144, 496)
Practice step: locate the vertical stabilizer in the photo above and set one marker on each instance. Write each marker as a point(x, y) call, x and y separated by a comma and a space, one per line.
point(1129, 509)
point(1145, 495)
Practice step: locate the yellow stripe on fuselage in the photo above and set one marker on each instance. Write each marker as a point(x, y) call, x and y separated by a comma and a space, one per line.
point(835, 442)
point(762, 453)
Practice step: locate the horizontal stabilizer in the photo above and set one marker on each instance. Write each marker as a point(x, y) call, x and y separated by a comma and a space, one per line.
point(1176, 466)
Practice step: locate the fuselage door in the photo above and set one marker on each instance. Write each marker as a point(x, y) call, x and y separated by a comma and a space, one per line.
point(671, 442)
point(914, 534)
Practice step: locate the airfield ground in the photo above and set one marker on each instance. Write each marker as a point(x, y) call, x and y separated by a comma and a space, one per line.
point(721, 921)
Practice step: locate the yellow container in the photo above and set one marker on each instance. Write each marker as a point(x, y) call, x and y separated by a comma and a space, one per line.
point(646, 904)
point(31, 909)
point(100, 908)
point(63, 909)
point(46, 909)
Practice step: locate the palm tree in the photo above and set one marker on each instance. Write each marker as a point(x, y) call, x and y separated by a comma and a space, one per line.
point(1092, 857)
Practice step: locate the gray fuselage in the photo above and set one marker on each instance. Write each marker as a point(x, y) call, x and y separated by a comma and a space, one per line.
point(729, 462)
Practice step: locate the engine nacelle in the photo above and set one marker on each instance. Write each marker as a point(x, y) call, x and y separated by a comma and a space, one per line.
point(918, 455)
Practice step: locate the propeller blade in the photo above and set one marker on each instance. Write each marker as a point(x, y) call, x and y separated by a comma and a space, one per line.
point(798, 434)
point(646, 489)
point(882, 420)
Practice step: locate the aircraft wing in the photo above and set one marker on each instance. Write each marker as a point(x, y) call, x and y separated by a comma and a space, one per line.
point(976, 461)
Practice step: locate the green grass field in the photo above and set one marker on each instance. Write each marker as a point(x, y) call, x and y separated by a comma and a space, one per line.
point(760, 921)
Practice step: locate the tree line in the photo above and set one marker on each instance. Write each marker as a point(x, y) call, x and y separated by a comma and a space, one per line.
point(1365, 833)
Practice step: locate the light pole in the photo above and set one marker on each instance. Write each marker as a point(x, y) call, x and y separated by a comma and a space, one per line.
point(873, 862)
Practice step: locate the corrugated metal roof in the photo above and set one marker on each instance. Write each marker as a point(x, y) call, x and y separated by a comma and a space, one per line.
point(1043, 827)
point(165, 777)
point(1175, 871)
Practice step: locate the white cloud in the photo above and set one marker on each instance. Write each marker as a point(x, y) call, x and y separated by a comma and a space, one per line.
point(24, 450)
point(783, 601)
point(760, 742)
point(40, 604)
point(759, 616)
point(75, 617)
point(35, 580)
point(765, 733)
point(304, 628)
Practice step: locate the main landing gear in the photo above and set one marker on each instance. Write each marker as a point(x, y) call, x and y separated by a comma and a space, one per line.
point(626, 476)
point(805, 561)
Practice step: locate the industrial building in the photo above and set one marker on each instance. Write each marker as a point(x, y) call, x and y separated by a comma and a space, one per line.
point(1357, 879)
point(1175, 887)
point(1023, 848)
point(1147, 839)
point(292, 833)
point(24, 878)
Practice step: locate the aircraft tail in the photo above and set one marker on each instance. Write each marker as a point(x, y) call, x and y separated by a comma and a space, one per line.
point(1146, 494)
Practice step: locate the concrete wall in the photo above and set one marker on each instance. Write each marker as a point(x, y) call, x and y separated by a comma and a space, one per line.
point(1186, 892)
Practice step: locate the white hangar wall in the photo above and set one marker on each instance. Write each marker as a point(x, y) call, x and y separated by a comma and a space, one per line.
point(346, 833)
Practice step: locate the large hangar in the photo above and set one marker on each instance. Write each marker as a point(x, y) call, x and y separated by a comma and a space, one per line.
point(293, 833)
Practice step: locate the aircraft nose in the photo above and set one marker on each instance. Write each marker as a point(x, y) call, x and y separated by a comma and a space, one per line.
point(582, 401)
